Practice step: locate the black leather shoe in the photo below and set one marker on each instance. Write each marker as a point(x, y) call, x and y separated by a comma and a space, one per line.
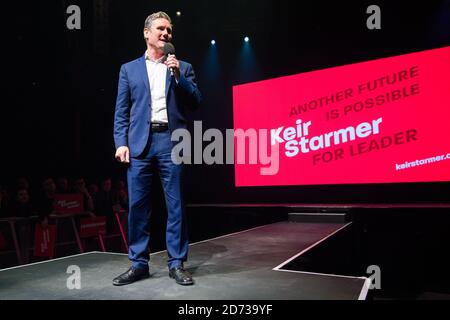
point(130, 276)
point(181, 276)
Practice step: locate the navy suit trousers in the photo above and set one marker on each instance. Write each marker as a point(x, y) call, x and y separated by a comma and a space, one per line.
point(156, 156)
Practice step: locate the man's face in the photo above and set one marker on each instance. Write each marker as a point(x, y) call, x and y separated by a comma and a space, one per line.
point(63, 184)
point(49, 185)
point(23, 196)
point(23, 183)
point(106, 185)
point(92, 189)
point(80, 184)
point(158, 34)
point(120, 185)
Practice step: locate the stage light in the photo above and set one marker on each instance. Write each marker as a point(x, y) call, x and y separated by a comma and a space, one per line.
point(213, 42)
point(246, 39)
point(178, 13)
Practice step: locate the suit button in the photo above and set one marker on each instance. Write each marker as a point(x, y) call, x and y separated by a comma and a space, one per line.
point(148, 122)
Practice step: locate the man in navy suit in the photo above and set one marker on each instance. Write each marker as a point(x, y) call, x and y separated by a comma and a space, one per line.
point(154, 93)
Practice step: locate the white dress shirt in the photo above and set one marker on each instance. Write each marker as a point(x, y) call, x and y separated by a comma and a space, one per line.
point(157, 72)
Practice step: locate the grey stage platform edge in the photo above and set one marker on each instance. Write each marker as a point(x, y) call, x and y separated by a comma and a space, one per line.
point(246, 265)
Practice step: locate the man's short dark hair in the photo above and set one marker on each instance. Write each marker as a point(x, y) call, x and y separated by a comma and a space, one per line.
point(154, 16)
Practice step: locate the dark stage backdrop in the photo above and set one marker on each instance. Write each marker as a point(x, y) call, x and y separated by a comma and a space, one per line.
point(61, 84)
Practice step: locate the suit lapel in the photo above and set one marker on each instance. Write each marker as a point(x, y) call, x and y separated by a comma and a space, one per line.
point(144, 74)
point(168, 82)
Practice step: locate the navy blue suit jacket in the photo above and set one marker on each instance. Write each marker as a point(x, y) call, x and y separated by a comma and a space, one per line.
point(133, 106)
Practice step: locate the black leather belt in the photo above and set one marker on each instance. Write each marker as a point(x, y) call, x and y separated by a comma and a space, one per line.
point(159, 127)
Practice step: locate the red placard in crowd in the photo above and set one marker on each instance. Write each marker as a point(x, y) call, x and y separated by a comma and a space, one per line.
point(44, 240)
point(90, 227)
point(69, 203)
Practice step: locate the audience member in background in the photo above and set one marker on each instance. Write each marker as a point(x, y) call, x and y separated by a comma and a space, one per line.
point(104, 203)
point(79, 186)
point(3, 214)
point(22, 183)
point(22, 208)
point(62, 185)
point(3, 202)
point(93, 190)
point(45, 203)
point(120, 195)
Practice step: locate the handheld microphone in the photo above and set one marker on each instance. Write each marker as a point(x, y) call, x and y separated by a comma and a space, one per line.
point(169, 49)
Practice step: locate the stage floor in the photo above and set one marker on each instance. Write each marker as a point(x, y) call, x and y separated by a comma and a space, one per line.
point(246, 265)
